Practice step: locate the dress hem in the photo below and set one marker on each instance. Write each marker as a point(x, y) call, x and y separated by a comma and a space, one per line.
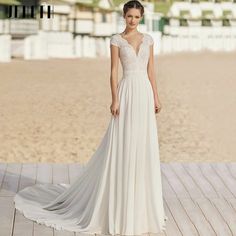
point(57, 227)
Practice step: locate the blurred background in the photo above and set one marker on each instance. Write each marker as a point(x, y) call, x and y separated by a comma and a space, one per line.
point(82, 28)
point(55, 88)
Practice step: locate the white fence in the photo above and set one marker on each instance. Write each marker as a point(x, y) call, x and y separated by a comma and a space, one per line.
point(181, 39)
point(62, 45)
point(171, 44)
point(5, 48)
point(47, 45)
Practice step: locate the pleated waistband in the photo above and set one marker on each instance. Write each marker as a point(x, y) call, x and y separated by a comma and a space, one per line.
point(135, 73)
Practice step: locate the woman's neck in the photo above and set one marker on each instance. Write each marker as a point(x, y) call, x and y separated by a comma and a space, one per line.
point(130, 31)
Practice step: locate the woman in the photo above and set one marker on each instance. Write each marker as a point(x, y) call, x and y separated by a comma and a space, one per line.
point(120, 190)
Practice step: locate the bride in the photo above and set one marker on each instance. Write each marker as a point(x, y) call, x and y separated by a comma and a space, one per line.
point(120, 190)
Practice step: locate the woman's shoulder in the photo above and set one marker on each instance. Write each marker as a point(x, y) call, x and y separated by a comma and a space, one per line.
point(115, 35)
point(149, 38)
point(114, 40)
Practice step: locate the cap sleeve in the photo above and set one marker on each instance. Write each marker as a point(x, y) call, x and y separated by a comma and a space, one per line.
point(151, 41)
point(114, 41)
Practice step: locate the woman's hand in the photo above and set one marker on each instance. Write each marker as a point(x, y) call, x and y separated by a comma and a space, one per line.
point(157, 105)
point(114, 108)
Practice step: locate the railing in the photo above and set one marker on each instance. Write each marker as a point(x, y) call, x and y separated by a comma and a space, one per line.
point(17, 27)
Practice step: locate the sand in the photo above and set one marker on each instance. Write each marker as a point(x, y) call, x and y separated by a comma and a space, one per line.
point(58, 110)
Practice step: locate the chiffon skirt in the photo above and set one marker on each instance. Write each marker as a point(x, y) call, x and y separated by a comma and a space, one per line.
point(120, 188)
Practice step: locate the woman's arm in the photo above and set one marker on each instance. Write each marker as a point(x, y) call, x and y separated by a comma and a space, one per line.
point(152, 76)
point(114, 72)
point(114, 79)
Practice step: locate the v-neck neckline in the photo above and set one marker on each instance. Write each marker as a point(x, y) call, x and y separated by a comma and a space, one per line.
point(139, 47)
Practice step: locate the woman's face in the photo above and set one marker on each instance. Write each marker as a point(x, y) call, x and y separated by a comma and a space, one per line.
point(132, 18)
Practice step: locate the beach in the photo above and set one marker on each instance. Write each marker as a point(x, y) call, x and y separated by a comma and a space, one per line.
point(58, 110)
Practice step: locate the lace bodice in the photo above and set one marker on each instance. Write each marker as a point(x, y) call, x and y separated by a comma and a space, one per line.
point(131, 60)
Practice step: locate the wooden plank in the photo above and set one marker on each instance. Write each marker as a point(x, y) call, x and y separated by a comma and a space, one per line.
point(180, 216)
point(22, 225)
point(168, 192)
point(223, 172)
point(194, 171)
point(189, 184)
point(232, 202)
point(75, 170)
point(197, 217)
point(60, 173)
point(184, 223)
point(177, 185)
point(191, 208)
point(40, 229)
point(11, 179)
point(227, 212)
point(3, 167)
point(28, 175)
point(44, 175)
point(215, 181)
point(232, 168)
point(171, 226)
point(213, 216)
point(63, 233)
point(6, 215)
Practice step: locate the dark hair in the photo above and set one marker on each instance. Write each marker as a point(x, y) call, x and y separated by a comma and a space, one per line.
point(133, 4)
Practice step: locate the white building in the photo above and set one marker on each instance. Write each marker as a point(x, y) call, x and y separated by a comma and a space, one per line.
point(196, 26)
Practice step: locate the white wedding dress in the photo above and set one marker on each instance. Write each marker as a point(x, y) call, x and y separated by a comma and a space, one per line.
point(120, 189)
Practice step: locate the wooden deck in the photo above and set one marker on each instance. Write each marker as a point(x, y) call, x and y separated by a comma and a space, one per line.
point(199, 198)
